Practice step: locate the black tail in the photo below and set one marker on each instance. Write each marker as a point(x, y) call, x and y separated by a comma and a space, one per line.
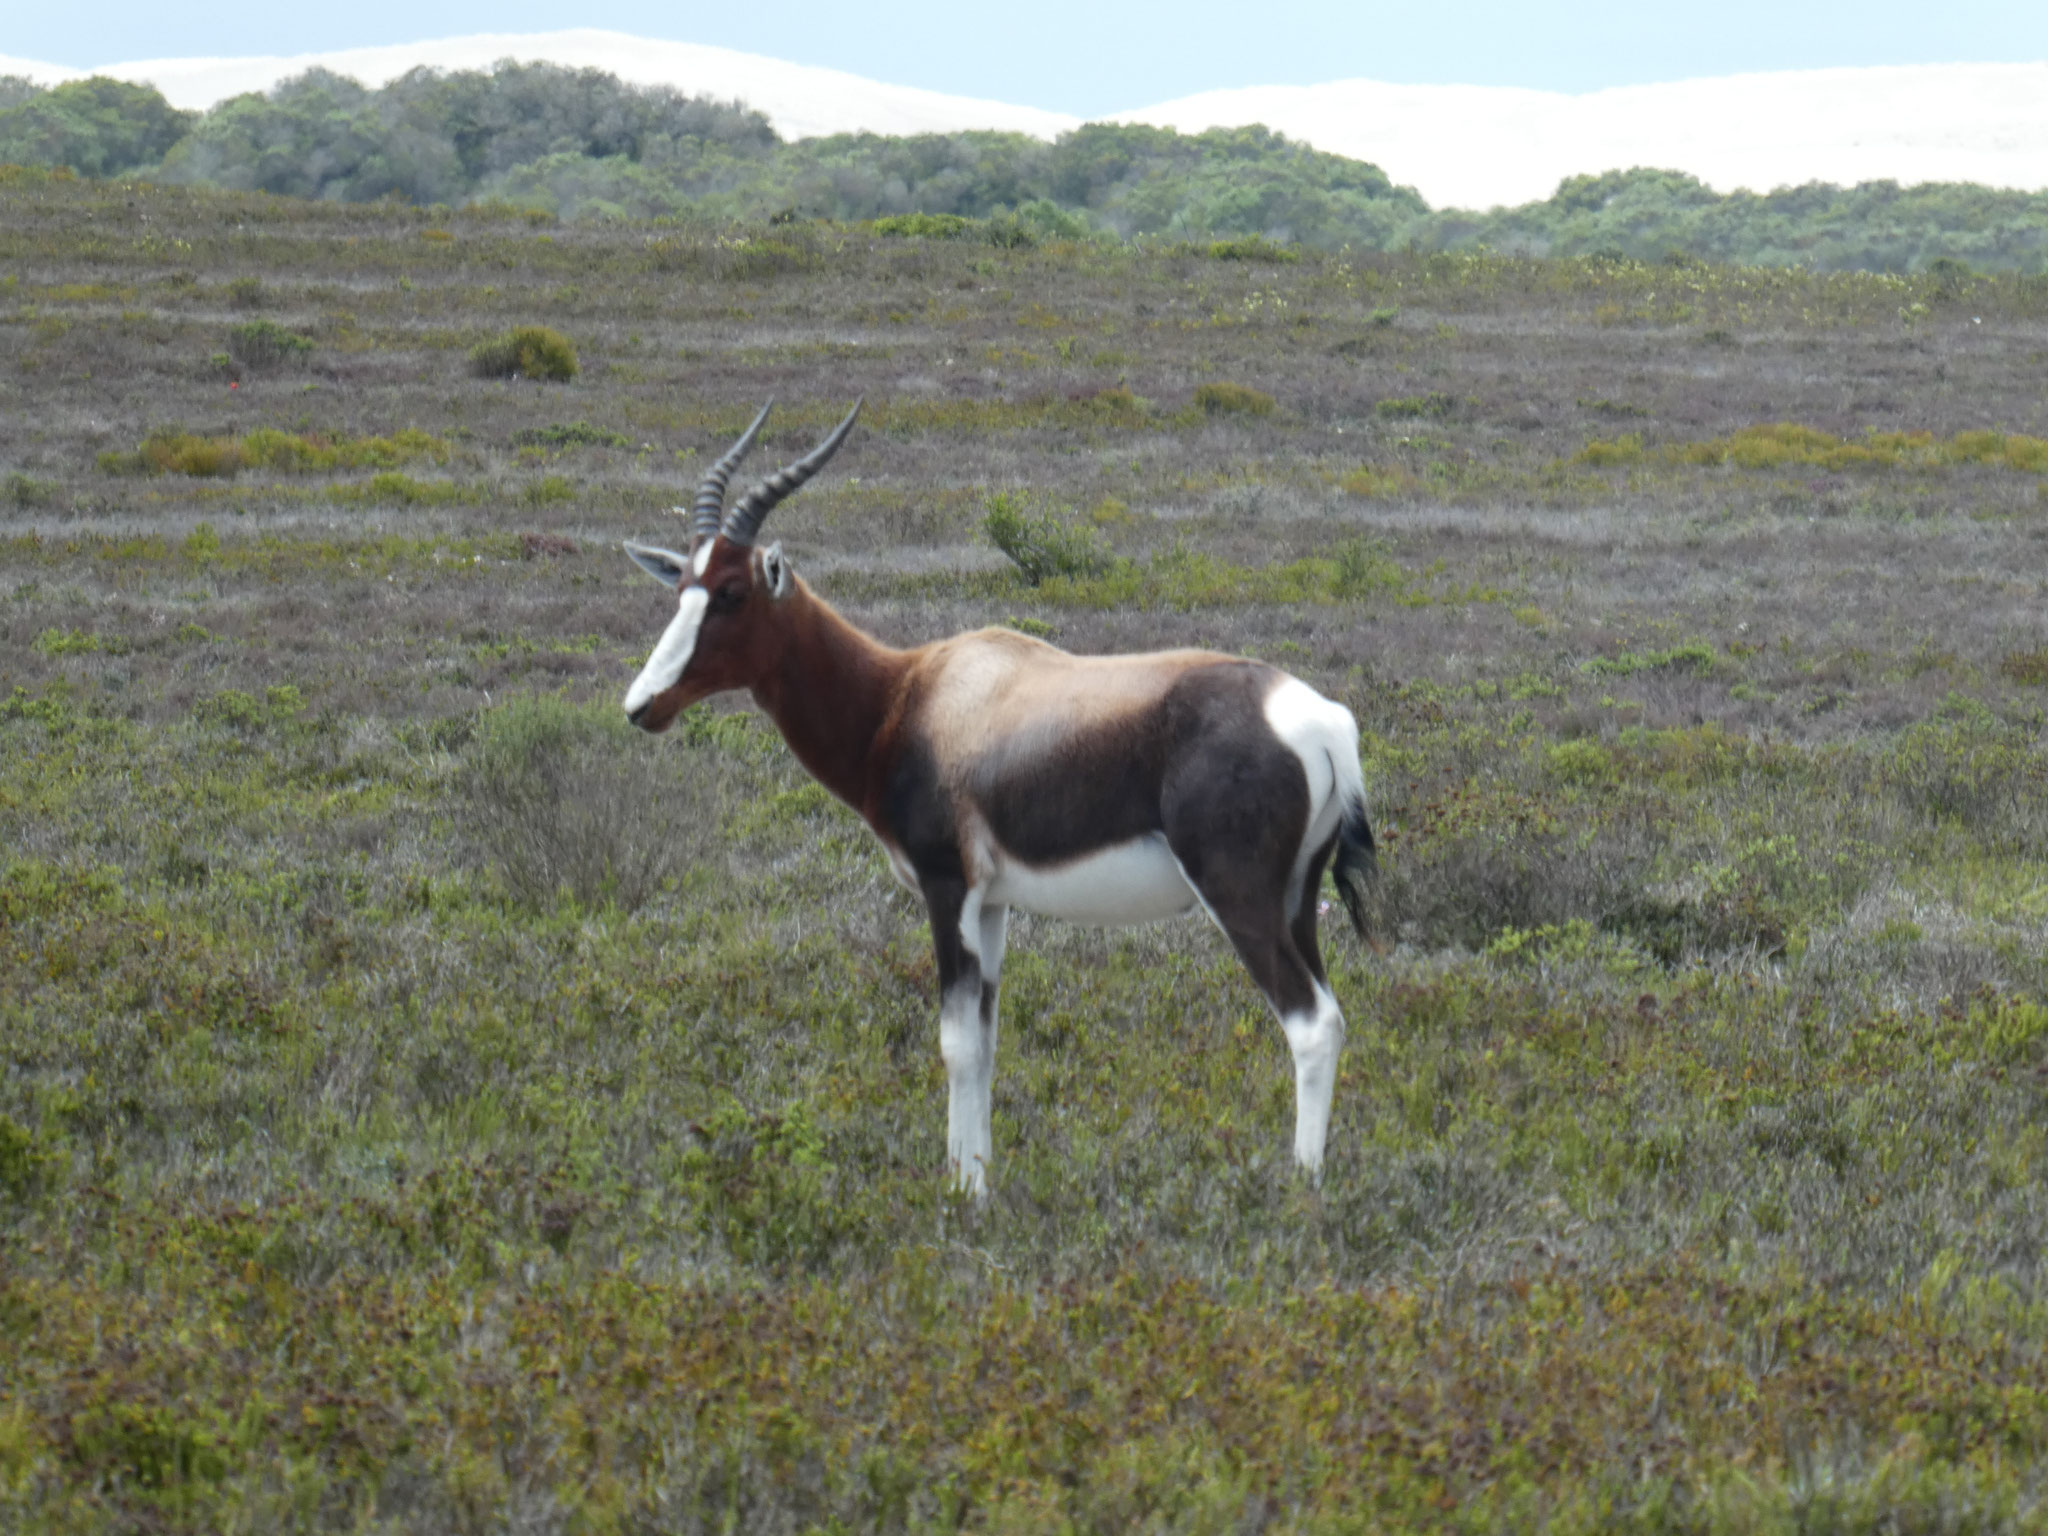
point(1356, 865)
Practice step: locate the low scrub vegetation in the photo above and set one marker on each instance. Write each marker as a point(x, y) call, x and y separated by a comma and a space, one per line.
point(527, 352)
point(172, 451)
point(1782, 445)
point(1223, 398)
point(428, 1104)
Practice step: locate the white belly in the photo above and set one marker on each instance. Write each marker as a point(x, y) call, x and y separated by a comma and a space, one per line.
point(1134, 882)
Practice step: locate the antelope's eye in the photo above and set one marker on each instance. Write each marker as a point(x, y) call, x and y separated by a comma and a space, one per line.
point(729, 596)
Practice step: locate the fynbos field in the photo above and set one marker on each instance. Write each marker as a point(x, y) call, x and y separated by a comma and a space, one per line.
point(427, 1104)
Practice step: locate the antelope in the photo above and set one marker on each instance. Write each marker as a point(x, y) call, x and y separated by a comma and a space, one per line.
point(1001, 773)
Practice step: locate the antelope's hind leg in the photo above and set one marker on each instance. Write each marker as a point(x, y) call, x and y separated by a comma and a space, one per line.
point(1249, 886)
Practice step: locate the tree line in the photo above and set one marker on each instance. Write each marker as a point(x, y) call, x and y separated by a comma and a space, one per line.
point(582, 143)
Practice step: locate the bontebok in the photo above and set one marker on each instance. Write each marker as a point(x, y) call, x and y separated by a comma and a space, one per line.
point(999, 772)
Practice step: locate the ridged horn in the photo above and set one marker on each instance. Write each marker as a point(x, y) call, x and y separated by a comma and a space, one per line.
point(710, 508)
point(744, 520)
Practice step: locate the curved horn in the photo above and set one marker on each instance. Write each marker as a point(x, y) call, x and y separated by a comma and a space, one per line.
point(710, 509)
point(744, 521)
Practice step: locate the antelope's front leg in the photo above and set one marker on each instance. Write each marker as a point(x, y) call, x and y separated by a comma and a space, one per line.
point(967, 1029)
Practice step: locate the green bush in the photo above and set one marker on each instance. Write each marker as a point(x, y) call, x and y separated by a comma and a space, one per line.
point(25, 1163)
point(1399, 407)
point(526, 351)
point(2028, 667)
point(26, 491)
point(1251, 248)
point(564, 799)
point(266, 344)
point(1041, 545)
point(1226, 399)
point(924, 226)
point(576, 434)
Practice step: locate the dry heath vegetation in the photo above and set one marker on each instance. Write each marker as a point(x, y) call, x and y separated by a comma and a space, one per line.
point(426, 1105)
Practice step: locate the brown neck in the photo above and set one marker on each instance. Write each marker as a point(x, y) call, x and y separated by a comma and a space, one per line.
point(831, 691)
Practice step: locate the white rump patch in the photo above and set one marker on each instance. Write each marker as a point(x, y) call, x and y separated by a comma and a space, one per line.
point(1324, 736)
point(672, 654)
point(1135, 882)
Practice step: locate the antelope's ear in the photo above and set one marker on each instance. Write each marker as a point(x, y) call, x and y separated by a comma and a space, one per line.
point(664, 565)
point(775, 572)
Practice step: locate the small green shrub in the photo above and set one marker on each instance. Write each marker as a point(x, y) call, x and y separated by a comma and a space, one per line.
point(1371, 480)
point(25, 1163)
point(924, 226)
point(1007, 232)
point(561, 799)
point(247, 293)
point(2028, 667)
point(1049, 221)
point(266, 344)
point(1602, 453)
point(1041, 545)
point(236, 710)
point(526, 351)
point(762, 1183)
point(1251, 248)
point(576, 434)
point(28, 492)
point(1402, 407)
point(1223, 398)
point(170, 451)
point(1694, 656)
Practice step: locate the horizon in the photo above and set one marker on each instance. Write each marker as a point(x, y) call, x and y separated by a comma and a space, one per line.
point(1467, 148)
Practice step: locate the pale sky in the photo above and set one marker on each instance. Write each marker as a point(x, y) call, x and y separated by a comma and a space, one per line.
point(1091, 58)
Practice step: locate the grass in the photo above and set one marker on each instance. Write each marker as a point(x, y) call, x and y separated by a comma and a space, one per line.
point(427, 1105)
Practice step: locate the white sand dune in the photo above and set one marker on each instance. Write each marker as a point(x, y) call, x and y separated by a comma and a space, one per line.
point(1461, 146)
point(1476, 147)
point(801, 100)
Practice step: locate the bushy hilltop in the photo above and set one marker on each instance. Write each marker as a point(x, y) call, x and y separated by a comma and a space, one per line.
point(582, 143)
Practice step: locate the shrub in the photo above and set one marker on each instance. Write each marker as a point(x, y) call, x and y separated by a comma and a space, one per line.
point(247, 293)
point(526, 351)
point(1694, 656)
point(169, 451)
point(1042, 545)
point(1007, 232)
point(1251, 248)
point(1972, 768)
point(1049, 221)
point(565, 799)
point(1399, 407)
point(1369, 480)
point(924, 226)
point(25, 1163)
point(2028, 667)
point(576, 434)
point(266, 344)
point(1226, 399)
point(1602, 453)
point(26, 491)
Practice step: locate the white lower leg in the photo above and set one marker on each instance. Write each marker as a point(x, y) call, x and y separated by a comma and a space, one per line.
point(1317, 1039)
point(967, 1047)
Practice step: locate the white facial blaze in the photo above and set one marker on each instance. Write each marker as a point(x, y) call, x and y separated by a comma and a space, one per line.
point(673, 652)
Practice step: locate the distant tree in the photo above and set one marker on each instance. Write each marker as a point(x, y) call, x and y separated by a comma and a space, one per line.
point(97, 127)
point(434, 137)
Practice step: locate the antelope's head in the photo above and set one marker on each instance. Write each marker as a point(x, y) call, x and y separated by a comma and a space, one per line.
point(728, 590)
